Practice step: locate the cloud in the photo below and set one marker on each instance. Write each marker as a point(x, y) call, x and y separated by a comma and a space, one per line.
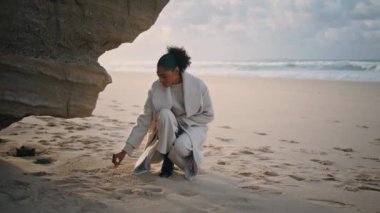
point(264, 29)
point(367, 10)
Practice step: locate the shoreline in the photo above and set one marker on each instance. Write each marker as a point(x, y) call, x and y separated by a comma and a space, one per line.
point(249, 75)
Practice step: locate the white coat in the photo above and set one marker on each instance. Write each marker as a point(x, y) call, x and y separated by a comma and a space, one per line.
point(199, 113)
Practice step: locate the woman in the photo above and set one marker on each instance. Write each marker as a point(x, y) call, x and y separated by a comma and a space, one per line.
point(176, 114)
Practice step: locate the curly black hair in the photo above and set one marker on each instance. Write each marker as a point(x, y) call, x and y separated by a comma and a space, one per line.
point(176, 57)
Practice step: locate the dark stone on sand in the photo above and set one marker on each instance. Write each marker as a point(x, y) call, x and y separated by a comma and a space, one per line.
point(43, 161)
point(25, 151)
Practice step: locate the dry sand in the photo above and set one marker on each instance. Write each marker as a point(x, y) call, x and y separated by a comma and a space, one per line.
point(276, 145)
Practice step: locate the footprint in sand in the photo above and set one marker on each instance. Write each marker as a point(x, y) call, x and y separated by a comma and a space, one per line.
point(330, 177)
point(362, 126)
point(121, 193)
point(148, 190)
point(326, 202)
point(215, 150)
point(44, 142)
point(343, 149)
point(296, 177)
point(311, 152)
point(211, 146)
point(40, 174)
point(223, 139)
point(225, 127)
point(265, 149)
point(260, 133)
point(372, 158)
point(289, 141)
point(244, 152)
point(333, 121)
point(322, 162)
point(222, 163)
point(270, 173)
point(245, 174)
point(368, 179)
point(251, 187)
point(263, 158)
point(188, 193)
point(375, 141)
point(51, 124)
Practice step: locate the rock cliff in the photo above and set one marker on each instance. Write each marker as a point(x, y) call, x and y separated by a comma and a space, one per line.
point(49, 51)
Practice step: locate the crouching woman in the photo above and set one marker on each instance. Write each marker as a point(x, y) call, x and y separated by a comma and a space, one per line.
point(175, 117)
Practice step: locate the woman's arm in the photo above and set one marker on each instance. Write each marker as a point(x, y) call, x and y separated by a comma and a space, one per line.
point(141, 128)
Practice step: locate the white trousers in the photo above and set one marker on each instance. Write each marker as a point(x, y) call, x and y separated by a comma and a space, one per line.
point(179, 148)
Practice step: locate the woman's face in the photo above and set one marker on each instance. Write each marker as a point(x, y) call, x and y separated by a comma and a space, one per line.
point(168, 77)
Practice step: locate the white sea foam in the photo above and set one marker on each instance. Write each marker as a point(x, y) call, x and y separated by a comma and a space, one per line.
point(354, 70)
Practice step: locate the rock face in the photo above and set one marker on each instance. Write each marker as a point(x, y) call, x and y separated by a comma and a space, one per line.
point(49, 52)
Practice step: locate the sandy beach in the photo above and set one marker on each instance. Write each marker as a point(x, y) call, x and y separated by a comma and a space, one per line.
point(276, 145)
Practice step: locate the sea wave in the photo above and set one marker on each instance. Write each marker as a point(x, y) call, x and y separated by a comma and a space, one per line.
point(285, 65)
point(356, 70)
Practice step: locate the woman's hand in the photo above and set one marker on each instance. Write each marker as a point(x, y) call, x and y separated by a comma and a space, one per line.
point(117, 158)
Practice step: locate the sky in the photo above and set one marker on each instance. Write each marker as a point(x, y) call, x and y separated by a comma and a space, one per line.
point(214, 30)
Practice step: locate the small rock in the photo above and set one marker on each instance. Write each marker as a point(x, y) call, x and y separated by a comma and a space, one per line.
point(3, 140)
point(43, 161)
point(24, 151)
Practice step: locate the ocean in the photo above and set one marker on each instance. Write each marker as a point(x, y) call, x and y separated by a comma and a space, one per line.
point(349, 70)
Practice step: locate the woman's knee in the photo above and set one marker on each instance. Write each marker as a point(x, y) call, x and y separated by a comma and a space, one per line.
point(165, 115)
point(183, 148)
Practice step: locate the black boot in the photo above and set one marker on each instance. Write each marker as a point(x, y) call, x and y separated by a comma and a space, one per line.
point(167, 167)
